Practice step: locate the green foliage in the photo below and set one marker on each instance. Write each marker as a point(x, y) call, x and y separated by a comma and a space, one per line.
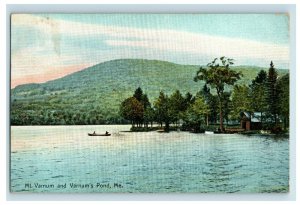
point(260, 78)
point(188, 100)
point(133, 110)
point(162, 110)
point(212, 102)
point(241, 101)
point(145, 101)
point(226, 105)
point(196, 114)
point(137, 109)
point(198, 110)
point(217, 76)
point(142, 129)
point(138, 94)
point(282, 87)
point(272, 93)
point(149, 115)
point(176, 105)
point(259, 92)
point(94, 95)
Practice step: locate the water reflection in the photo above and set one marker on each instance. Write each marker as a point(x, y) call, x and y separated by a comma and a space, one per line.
point(148, 162)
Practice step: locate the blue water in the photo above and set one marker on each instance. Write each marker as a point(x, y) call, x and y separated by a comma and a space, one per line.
point(55, 158)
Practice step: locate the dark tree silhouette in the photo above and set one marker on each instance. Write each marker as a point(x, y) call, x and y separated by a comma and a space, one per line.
point(272, 93)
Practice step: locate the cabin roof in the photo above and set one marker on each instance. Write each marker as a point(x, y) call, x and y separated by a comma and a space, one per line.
point(255, 117)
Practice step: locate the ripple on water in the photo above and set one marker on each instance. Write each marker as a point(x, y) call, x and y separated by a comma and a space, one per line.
point(148, 162)
point(57, 176)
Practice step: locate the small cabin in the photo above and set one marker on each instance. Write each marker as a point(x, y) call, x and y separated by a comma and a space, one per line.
point(251, 121)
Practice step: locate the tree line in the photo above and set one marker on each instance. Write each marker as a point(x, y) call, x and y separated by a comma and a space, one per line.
point(219, 100)
point(43, 116)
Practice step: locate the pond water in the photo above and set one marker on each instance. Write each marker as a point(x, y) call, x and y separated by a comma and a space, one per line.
point(65, 159)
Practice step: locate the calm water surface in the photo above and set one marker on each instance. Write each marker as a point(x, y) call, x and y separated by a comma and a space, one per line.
point(65, 159)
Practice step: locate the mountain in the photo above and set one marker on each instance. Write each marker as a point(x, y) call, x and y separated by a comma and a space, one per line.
point(93, 95)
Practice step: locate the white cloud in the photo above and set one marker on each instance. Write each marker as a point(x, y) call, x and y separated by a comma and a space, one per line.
point(211, 46)
point(166, 40)
point(129, 40)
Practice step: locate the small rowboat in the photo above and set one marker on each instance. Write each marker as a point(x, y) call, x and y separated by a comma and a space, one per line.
point(89, 134)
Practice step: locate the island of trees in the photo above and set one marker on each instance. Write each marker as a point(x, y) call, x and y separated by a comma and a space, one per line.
point(220, 101)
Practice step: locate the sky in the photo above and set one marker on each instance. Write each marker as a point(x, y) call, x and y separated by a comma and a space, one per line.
point(48, 46)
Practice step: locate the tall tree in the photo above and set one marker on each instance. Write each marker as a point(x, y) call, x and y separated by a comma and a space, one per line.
point(148, 111)
point(138, 94)
point(272, 93)
point(162, 110)
point(258, 93)
point(176, 106)
point(143, 99)
point(284, 99)
point(217, 75)
point(131, 109)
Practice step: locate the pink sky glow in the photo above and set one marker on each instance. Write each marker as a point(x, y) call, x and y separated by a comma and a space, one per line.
point(49, 75)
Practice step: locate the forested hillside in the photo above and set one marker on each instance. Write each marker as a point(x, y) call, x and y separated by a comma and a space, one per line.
point(93, 95)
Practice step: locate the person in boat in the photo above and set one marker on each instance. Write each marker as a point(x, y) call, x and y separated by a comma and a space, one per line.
point(94, 132)
point(106, 133)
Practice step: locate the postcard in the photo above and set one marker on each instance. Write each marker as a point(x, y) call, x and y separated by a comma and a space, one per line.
point(149, 103)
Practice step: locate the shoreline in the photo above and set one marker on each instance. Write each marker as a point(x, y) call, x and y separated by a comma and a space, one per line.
point(172, 129)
